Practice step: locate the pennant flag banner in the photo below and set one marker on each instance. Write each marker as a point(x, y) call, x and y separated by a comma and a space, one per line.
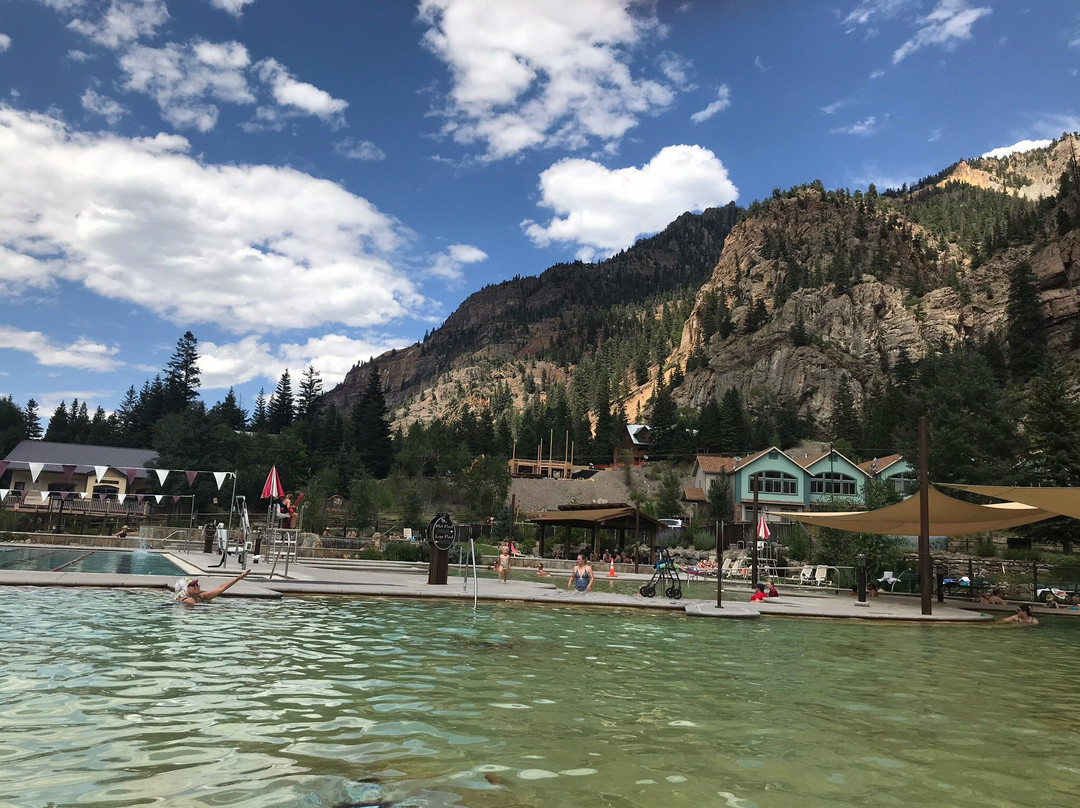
point(101, 471)
point(219, 477)
point(3, 493)
point(83, 495)
point(44, 496)
point(131, 475)
point(66, 495)
point(139, 498)
point(22, 495)
point(121, 497)
point(162, 474)
point(69, 473)
point(176, 498)
point(35, 470)
point(159, 497)
point(191, 475)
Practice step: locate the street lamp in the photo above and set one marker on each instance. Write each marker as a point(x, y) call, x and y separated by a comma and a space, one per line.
point(860, 576)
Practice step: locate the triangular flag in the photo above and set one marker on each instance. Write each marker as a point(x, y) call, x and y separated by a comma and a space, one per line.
point(83, 495)
point(175, 498)
point(121, 497)
point(219, 477)
point(159, 497)
point(101, 471)
point(44, 496)
point(3, 494)
point(191, 475)
point(3, 467)
point(22, 495)
point(139, 498)
point(69, 472)
point(131, 475)
point(35, 470)
point(161, 475)
point(66, 495)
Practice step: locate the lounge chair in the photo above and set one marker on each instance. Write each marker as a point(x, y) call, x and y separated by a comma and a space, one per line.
point(889, 580)
point(807, 575)
point(725, 570)
point(821, 576)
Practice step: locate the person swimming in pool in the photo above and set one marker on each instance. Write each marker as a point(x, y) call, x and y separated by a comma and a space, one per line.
point(581, 576)
point(190, 593)
point(1023, 616)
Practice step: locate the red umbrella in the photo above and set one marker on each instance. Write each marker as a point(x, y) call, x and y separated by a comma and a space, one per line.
point(272, 487)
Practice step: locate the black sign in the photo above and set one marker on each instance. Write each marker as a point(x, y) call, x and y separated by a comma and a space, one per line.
point(441, 531)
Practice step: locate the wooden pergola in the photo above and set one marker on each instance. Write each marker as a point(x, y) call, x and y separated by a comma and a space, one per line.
point(614, 516)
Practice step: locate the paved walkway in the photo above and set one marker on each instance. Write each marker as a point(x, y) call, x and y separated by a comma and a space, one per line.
point(410, 580)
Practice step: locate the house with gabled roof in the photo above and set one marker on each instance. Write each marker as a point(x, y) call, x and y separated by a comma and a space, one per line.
point(832, 475)
point(63, 469)
point(635, 440)
point(894, 470)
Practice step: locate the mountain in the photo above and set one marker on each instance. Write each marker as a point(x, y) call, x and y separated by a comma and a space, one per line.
point(795, 298)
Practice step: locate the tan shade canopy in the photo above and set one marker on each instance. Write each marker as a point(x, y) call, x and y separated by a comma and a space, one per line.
point(948, 517)
point(1064, 501)
point(615, 517)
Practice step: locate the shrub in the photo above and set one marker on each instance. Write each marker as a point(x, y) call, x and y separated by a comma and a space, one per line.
point(985, 549)
point(704, 540)
point(406, 551)
point(370, 554)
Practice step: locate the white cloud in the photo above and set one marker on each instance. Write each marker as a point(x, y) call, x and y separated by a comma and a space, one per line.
point(877, 74)
point(185, 80)
point(1054, 125)
point(867, 126)
point(542, 74)
point(951, 20)
point(1017, 148)
point(234, 7)
point(79, 56)
point(607, 209)
point(835, 106)
point(5, 42)
point(722, 102)
point(253, 248)
point(448, 265)
point(122, 22)
point(79, 354)
point(333, 355)
point(109, 109)
point(760, 65)
point(868, 12)
point(934, 136)
point(299, 95)
point(359, 149)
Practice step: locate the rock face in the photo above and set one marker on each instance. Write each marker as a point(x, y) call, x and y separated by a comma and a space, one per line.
point(821, 290)
point(518, 319)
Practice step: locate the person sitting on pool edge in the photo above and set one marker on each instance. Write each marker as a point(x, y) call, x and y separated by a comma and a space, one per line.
point(1023, 616)
point(190, 594)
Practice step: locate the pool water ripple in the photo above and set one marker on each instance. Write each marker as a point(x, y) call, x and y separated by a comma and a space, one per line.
point(107, 699)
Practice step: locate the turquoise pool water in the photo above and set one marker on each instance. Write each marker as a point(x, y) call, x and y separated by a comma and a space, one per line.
point(108, 698)
point(123, 562)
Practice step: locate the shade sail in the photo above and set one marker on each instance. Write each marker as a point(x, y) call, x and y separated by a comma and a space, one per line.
point(616, 517)
point(1063, 501)
point(948, 517)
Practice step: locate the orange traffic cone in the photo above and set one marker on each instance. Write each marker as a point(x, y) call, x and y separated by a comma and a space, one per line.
point(611, 571)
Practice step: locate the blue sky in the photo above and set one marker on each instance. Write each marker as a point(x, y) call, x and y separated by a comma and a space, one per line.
point(317, 181)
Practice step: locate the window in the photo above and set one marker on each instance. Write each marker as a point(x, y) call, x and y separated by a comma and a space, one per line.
point(903, 483)
point(105, 491)
point(776, 482)
point(833, 483)
point(56, 490)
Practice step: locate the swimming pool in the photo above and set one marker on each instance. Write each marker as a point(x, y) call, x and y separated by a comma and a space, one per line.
point(65, 559)
point(111, 700)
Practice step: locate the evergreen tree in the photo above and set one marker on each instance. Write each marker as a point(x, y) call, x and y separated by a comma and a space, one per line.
point(32, 421)
point(260, 420)
point(710, 436)
point(670, 492)
point(229, 412)
point(1025, 336)
point(282, 405)
point(59, 430)
point(734, 425)
point(845, 422)
point(663, 423)
point(371, 428)
point(12, 425)
point(721, 507)
point(126, 418)
point(80, 422)
point(182, 374)
point(101, 429)
point(311, 388)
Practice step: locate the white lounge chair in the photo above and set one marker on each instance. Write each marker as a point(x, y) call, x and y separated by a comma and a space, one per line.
point(725, 569)
point(807, 575)
point(889, 580)
point(821, 576)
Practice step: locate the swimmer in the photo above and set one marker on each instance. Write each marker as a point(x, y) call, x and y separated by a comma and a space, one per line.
point(541, 572)
point(190, 594)
point(759, 593)
point(581, 576)
point(1023, 616)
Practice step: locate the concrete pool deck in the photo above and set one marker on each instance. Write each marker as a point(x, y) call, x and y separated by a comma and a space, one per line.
point(384, 579)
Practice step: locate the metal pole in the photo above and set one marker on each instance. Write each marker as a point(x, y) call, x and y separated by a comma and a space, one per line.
point(719, 577)
point(472, 549)
point(755, 484)
point(232, 500)
point(926, 572)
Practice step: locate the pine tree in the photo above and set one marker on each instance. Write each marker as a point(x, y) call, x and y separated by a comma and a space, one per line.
point(126, 417)
point(260, 420)
point(182, 374)
point(371, 428)
point(59, 430)
point(229, 412)
point(12, 425)
point(282, 405)
point(311, 388)
point(32, 421)
point(1025, 336)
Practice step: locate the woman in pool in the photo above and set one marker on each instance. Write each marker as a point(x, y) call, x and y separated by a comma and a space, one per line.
point(1023, 616)
point(190, 594)
point(581, 576)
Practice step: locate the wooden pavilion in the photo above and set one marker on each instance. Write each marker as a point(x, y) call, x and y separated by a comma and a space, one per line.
point(612, 516)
